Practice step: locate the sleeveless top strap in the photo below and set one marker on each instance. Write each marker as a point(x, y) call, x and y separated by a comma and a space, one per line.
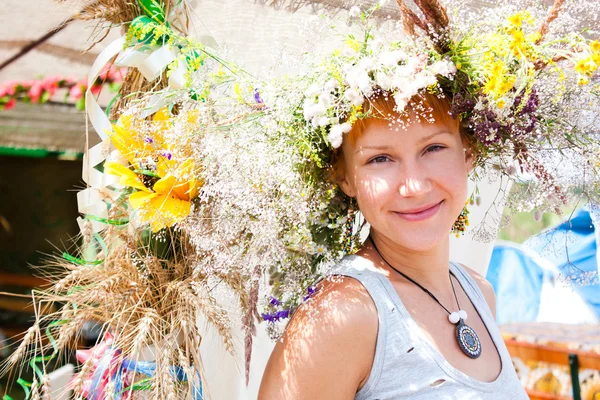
point(471, 287)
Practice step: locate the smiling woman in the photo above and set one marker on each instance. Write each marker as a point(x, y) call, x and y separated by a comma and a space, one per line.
point(389, 318)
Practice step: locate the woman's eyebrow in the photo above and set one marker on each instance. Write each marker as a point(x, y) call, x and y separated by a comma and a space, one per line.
point(387, 147)
point(429, 137)
point(384, 147)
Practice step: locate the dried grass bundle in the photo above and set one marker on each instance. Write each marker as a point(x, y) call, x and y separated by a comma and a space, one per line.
point(116, 12)
point(144, 295)
point(434, 24)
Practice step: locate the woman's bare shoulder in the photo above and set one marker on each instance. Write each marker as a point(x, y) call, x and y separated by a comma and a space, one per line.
point(332, 335)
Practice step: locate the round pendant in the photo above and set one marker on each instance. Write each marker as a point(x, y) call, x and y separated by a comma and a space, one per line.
point(467, 339)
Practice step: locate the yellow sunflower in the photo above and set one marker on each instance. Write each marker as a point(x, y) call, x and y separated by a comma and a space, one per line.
point(168, 201)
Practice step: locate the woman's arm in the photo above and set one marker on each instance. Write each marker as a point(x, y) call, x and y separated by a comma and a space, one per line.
point(328, 347)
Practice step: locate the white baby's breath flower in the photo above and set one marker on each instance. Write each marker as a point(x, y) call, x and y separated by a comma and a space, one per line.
point(325, 100)
point(425, 79)
point(312, 90)
point(324, 121)
point(404, 71)
point(391, 58)
point(354, 12)
point(312, 110)
point(445, 68)
point(330, 86)
point(401, 101)
point(336, 134)
point(354, 96)
point(414, 62)
point(366, 64)
point(384, 81)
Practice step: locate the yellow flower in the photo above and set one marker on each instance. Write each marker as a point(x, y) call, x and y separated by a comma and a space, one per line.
point(517, 44)
point(586, 66)
point(132, 144)
point(507, 84)
point(163, 195)
point(501, 104)
point(128, 177)
point(169, 201)
point(583, 80)
point(516, 20)
point(595, 46)
point(353, 43)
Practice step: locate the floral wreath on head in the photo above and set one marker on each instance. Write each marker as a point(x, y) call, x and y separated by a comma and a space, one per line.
point(516, 95)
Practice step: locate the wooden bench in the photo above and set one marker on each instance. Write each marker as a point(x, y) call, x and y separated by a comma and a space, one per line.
point(574, 359)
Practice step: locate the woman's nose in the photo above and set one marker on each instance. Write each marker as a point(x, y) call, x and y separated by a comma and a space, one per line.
point(414, 186)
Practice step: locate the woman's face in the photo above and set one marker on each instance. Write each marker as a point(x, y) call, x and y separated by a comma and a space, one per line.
point(410, 184)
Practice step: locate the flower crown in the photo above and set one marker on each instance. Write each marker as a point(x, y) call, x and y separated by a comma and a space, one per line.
point(513, 93)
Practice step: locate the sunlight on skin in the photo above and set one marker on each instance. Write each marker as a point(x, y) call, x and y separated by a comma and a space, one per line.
point(316, 340)
point(414, 186)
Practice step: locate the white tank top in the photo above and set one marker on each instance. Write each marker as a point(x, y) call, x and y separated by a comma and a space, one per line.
point(406, 364)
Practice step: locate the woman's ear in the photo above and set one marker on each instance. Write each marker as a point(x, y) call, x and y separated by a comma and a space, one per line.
point(345, 185)
point(469, 159)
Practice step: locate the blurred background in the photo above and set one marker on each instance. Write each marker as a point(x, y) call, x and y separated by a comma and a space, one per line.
point(543, 266)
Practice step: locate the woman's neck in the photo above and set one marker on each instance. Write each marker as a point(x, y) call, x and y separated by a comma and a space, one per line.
point(429, 268)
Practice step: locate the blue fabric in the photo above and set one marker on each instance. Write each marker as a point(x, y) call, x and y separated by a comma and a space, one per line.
point(517, 279)
point(575, 241)
point(517, 276)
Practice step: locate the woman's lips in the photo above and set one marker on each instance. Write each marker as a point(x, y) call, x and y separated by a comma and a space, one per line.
point(420, 214)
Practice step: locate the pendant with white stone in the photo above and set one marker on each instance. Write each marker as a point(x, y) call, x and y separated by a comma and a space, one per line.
point(456, 316)
point(467, 339)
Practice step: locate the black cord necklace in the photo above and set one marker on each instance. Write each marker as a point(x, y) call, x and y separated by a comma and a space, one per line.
point(467, 339)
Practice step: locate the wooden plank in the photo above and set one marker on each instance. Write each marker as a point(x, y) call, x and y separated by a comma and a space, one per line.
point(22, 280)
point(553, 355)
point(537, 395)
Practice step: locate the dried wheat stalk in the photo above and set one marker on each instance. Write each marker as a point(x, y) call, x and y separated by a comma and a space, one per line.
point(552, 15)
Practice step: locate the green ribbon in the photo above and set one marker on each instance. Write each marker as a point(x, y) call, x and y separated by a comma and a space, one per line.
point(117, 222)
point(80, 261)
point(153, 9)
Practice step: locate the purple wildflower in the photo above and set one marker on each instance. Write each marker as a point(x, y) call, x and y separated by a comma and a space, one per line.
point(167, 155)
point(274, 301)
point(276, 316)
point(148, 139)
point(311, 290)
point(257, 96)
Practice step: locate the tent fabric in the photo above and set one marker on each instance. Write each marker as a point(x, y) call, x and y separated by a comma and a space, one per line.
point(517, 276)
point(572, 248)
point(527, 278)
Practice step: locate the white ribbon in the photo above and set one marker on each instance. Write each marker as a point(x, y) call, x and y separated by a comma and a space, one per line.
point(93, 200)
point(151, 64)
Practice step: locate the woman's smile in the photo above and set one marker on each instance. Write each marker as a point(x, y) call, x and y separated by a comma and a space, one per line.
point(419, 213)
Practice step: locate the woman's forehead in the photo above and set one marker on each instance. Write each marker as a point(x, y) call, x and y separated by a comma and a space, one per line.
point(388, 131)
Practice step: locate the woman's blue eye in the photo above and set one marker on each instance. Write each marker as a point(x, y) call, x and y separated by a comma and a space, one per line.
point(378, 159)
point(435, 148)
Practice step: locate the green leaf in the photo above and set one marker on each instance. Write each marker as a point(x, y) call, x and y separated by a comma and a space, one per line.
point(44, 97)
point(80, 105)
